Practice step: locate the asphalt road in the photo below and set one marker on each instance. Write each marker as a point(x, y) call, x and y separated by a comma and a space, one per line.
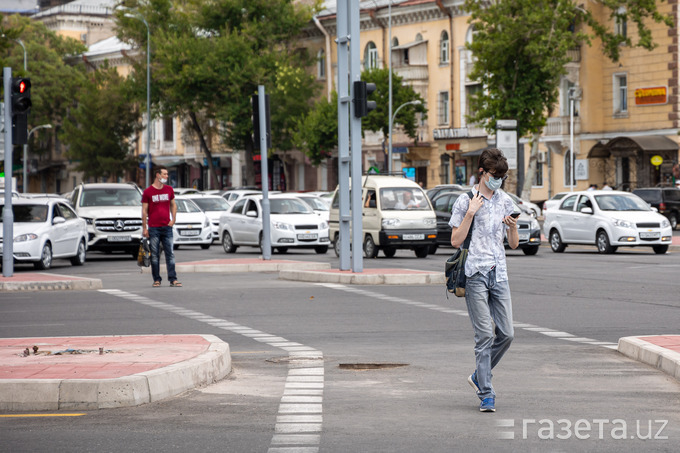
point(554, 393)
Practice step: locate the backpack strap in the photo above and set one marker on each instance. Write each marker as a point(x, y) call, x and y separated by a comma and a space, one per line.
point(468, 238)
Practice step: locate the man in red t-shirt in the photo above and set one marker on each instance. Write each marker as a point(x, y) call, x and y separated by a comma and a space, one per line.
point(159, 212)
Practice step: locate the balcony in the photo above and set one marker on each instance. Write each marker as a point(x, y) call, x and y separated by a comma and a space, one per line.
point(560, 126)
point(412, 72)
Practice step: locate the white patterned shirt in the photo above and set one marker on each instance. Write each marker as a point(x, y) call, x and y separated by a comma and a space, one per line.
point(488, 231)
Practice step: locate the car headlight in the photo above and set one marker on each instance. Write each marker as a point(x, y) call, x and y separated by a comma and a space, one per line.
point(623, 223)
point(282, 226)
point(534, 224)
point(323, 225)
point(88, 220)
point(390, 222)
point(430, 222)
point(665, 223)
point(25, 237)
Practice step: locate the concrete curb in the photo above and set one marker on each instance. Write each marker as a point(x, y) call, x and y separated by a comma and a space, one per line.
point(241, 267)
point(52, 285)
point(349, 278)
point(141, 388)
point(659, 357)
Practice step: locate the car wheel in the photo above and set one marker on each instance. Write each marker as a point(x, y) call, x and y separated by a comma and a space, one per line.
point(421, 252)
point(321, 249)
point(673, 219)
point(603, 244)
point(433, 249)
point(175, 246)
point(45, 258)
point(336, 245)
point(389, 252)
point(556, 243)
point(660, 249)
point(206, 246)
point(530, 250)
point(227, 243)
point(282, 249)
point(370, 250)
point(79, 259)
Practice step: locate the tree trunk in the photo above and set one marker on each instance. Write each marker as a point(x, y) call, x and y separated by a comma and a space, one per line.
point(204, 147)
point(531, 169)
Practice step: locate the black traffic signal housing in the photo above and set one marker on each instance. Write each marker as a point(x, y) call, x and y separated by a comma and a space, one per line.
point(362, 106)
point(21, 106)
point(256, 121)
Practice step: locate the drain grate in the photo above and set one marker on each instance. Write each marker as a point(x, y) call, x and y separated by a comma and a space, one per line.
point(370, 366)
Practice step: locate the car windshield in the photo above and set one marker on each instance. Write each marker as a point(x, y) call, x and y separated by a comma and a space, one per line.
point(111, 197)
point(186, 206)
point(649, 195)
point(211, 204)
point(403, 198)
point(27, 213)
point(289, 206)
point(559, 196)
point(315, 203)
point(621, 203)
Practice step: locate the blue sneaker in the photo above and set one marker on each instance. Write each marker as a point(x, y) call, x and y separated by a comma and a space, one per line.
point(472, 380)
point(488, 405)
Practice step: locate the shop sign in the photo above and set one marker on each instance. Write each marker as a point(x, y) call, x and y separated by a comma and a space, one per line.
point(651, 96)
point(656, 160)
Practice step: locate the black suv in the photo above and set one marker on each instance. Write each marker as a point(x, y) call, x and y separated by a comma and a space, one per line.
point(665, 199)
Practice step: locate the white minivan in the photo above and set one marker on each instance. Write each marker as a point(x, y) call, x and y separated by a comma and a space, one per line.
point(396, 215)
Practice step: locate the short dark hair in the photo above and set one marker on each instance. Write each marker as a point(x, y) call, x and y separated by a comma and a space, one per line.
point(159, 169)
point(493, 161)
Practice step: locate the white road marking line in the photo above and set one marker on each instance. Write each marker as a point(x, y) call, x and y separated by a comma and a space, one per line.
point(303, 390)
point(557, 334)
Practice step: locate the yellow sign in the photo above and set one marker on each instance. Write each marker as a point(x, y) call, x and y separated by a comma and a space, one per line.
point(657, 160)
point(651, 96)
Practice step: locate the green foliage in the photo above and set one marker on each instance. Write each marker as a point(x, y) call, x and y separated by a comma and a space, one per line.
point(317, 133)
point(99, 129)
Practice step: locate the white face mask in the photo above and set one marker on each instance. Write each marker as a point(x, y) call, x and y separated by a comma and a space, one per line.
point(163, 181)
point(494, 183)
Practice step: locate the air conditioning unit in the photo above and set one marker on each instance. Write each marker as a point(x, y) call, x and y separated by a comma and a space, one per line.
point(541, 157)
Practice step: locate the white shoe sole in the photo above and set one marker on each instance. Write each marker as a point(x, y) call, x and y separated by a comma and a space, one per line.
point(472, 384)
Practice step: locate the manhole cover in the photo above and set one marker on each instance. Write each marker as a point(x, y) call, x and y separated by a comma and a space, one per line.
point(370, 366)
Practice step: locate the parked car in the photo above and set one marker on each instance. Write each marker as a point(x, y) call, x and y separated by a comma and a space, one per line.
point(441, 188)
point(320, 207)
point(396, 215)
point(113, 212)
point(185, 190)
point(214, 207)
point(527, 226)
point(554, 201)
point(192, 226)
point(234, 195)
point(293, 224)
point(665, 199)
point(526, 206)
point(45, 229)
point(607, 219)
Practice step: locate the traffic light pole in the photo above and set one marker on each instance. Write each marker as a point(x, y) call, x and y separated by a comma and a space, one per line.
point(355, 149)
point(344, 112)
point(7, 213)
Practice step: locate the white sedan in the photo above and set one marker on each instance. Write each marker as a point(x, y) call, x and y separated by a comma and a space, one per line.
point(293, 224)
point(213, 206)
point(607, 219)
point(192, 226)
point(44, 229)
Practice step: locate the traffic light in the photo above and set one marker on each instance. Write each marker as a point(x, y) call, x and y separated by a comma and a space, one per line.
point(361, 103)
point(21, 105)
point(256, 121)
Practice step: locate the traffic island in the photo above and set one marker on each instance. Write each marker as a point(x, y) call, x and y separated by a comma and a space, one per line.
point(659, 351)
point(237, 265)
point(367, 277)
point(86, 373)
point(42, 281)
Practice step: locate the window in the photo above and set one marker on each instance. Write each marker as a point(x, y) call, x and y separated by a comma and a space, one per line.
point(168, 129)
point(470, 92)
point(568, 203)
point(321, 64)
point(567, 169)
point(620, 94)
point(443, 107)
point(621, 24)
point(538, 176)
point(444, 48)
point(370, 56)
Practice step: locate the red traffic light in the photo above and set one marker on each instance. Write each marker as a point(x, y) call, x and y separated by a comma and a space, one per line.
point(22, 86)
point(21, 95)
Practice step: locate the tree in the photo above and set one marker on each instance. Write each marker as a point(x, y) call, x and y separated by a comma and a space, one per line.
point(209, 58)
point(99, 130)
point(521, 49)
point(317, 133)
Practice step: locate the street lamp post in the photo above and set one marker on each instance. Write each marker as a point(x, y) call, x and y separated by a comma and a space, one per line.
point(389, 148)
point(389, 69)
point(42, 126)
point(148, 96)
point(572, 98)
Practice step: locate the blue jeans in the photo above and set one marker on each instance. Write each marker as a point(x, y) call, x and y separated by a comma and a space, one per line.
point(162, 236)
point(489, 305)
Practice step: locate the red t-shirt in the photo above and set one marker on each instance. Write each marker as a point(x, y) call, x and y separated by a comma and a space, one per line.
point(159, 204)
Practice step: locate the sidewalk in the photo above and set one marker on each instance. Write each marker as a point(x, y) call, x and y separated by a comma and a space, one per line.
point(659, 351)
point(81, 373)
point(43, 281)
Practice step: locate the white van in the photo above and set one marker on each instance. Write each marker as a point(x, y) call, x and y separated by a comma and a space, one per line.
point(396, 215)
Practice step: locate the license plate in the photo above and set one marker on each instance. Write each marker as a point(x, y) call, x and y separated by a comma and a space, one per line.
point(307, 236)
point(647, 235)
point(524, 236)
point(189, 232)
point(413, 237)
point(119, 238)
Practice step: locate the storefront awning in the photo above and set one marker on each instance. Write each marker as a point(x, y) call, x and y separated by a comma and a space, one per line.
point(647, 143)
point(475, 153)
